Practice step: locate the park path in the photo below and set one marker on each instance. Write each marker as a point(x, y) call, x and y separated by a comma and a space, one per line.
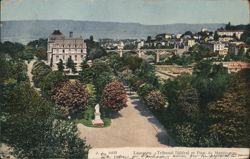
point(135, 126)
point(29, 69)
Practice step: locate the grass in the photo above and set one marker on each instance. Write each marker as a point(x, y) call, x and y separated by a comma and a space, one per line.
point(88, 116)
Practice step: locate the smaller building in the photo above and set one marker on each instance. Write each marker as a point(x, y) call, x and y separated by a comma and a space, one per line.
point(230, 33)
point(234, 66)
point(190, 43)
point(226, 39)
point(178, 36)
point(217, 47)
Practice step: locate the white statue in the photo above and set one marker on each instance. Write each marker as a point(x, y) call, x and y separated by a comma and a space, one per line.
point(97, 108)
point(97, 121)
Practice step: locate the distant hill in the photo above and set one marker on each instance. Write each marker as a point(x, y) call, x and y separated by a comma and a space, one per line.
point(24, 31)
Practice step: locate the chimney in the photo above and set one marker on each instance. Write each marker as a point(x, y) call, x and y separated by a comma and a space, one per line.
point(71, 34)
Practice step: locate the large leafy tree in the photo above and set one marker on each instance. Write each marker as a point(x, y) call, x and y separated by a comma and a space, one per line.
point(188, 103)
point(51, 80)
point(41, 53)
point(86, 74)
point(114, 96)
point(39, 71)
point(133, 62)
point(230, 115)
point(30, 129)
point(14, 50)
point(102, 75)
point(70, 95)
point(12, 71)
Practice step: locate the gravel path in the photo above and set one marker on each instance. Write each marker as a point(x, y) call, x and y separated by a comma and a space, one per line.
point(134, 126)
point(29, 69)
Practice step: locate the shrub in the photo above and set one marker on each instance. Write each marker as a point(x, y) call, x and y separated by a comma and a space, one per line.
point(71, 95)
point(114, 96)
point(188, 102)
point(186, 134)
point(155, 100)
point(144, 90)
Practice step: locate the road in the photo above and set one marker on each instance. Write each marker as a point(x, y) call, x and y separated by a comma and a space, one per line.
point(135, 126)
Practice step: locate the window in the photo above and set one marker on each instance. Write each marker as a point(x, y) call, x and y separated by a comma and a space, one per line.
point(81, 51)
point(76, 57)
point(63, 57)
point(63, 51)
point(81, 56)
point(57, 58)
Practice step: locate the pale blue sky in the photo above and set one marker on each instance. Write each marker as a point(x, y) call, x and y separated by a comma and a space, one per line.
point(141, 11)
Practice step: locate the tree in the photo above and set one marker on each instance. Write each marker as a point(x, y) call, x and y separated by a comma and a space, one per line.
point(102, 75)
point(203, 68)
point(188, 102)
point(29, 127)
point(14, 50)
point(71, 65)
point(70, 95)
point(60, 65)
point(229, 116)
point(86, 76)
point(155, 100)
point(99, 67)
point(132, 62)
point(84, 65)
point(144, 90)
point(41, 53)
point(228, 26)
point(114, 96)
point(51, 80)
point(91, 38)
point(39, 71)
point(216, 36)
point(38, 44)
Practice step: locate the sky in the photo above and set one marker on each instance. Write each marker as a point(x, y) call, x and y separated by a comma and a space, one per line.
point(151, 12)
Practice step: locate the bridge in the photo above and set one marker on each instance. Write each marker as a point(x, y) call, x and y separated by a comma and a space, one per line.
point(141, 52)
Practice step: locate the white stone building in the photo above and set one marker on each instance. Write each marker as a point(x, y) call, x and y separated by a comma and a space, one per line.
point(230, 33)
point(217, 47)
point(62, 47)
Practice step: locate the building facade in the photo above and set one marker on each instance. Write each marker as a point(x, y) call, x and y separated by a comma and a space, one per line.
point(230, 33)
point(62, 47)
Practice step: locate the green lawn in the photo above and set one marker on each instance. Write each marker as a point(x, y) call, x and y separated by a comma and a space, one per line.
point(88, 116)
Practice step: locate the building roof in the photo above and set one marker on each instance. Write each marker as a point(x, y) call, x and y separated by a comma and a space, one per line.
point(57, 32)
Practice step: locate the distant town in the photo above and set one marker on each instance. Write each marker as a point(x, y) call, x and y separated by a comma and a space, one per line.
point(226, 45)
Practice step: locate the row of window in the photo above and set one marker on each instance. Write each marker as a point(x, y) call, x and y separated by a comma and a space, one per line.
point(63, 51)
point(64, 58)
point(69, 46)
